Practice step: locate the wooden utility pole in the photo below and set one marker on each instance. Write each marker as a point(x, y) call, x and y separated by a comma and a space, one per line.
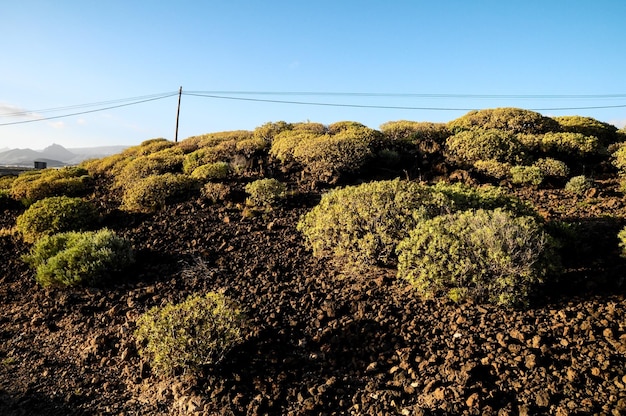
point(180, 92)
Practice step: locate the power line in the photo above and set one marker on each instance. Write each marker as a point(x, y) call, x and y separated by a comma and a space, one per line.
point(197, 94)
point(89, 111)
point(414, 95)
point(77, 106)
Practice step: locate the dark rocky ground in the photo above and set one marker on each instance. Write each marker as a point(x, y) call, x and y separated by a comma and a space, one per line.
point(319, 343)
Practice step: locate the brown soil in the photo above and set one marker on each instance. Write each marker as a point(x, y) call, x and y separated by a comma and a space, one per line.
point(321, 343)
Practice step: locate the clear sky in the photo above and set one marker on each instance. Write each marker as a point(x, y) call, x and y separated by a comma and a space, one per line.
point(445, 54)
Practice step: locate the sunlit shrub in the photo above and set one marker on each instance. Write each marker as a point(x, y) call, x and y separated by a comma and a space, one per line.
point(579, 185)
point(169, 160)
point(34, 185)
point(527, 175)
point(493, 168)
point(56, 214)
point(588, 126)
point(79, 258)
point(211, 171)
point(359, 226)
point(468, 147)
point(325, 158)
point(513, 120)
point(265, 192)
point(486, 255)
point(285, 143)
point(622, 241)
point(571, 144)
point(154, 192)
point(552, 168)
point(425, 136)
point(186, 336)
point(215, 192)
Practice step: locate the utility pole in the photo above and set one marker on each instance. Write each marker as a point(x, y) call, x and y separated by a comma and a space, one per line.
point(180, 92)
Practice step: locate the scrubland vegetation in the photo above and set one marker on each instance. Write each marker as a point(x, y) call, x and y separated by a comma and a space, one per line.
point(453, 213)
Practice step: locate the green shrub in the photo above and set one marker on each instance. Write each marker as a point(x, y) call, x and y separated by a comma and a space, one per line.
point(493, 168)
point(527, 175)
point(579, 185)
point(75, 258)
point(285, 143)
point(215, 192)
point(619, 159)
point(169, 160)
point(467, 147)
point(359, 226)
point(56, 214)
point(34, 185)
point(325, 158)
point(513, 120)
point(487, 255)
point(154, 192)
point(588, 126)
point(569, 144)
point(552, 168)
point(211, 171)
point(464, 197)
point(186, 336)
point(265, 192)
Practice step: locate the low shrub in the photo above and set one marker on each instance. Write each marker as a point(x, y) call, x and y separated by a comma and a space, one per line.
point(211, 171)
point(186, 336)
point(54, 215)
point(359, 226)
point(169, 160)
point(265, 192)
point(79, 258)
point(325, 158)
point(285, 143)
point(527, 175)
point(154, 192)
point(468, 147)
point(34, 185)
point(552, 168)
point(579, 185)
point(513, 120)
point(589, 126)
point(215, 192)
point(486, 255)
point(493, 168)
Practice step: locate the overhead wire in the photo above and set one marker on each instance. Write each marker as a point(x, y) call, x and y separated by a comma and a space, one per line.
point(228, 97)
point(137, 100)
point(245, 96)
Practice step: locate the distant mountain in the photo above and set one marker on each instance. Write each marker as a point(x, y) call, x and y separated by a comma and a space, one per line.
point(55, 155)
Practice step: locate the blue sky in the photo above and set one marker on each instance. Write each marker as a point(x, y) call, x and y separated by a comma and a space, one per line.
point(418, 54)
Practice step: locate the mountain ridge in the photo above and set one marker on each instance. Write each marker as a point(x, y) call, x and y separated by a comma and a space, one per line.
point(55, 155)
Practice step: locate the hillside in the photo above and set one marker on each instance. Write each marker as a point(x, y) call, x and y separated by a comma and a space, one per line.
point(319, 341)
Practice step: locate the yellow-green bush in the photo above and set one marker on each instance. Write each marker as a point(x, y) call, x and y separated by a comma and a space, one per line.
point(486, 255)
point(285, 143)
point(265, 192)
point(215, 192)
point(513, 120)
point(185, 337)
point(579, 185)
point(572, 144)
point(589, 126)
point(622, 241)
point(468, 147)
point(154, 192)
point(325, 158)
point(493, 168)
point(56, 214)
point(169, 160)
point(527, 175)
point(34, 185)
point(359, 226)
point(79, 258)
point(211, 171)
point(425, 136)
point(552, 168)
